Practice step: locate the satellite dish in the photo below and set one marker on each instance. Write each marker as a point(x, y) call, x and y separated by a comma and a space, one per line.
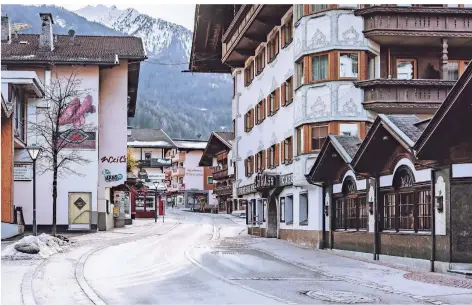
point(71, 33)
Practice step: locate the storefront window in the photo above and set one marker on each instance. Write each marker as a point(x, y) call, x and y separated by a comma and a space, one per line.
point(140, 203)
point(150, 203)
point(350, 207)
point(282, 209)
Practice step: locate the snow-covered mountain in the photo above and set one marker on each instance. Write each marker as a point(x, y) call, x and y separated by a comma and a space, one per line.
point(157, 34)
point(183, 104)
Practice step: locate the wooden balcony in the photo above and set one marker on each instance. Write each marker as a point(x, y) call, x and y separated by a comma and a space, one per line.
point(393, 96)
point(220, 172)
point(394, 25)
point(249, 28)
point(223, 190)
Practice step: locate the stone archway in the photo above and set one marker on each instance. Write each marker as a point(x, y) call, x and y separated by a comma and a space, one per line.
point(272, 226)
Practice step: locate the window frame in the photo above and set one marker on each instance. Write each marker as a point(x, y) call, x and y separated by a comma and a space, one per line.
point(358, 65)
point(312, 10)
point(350, 208)
point(415, 67)
point(274, 42)
point(282, 209)
point(310, 63)
point(311, 136)
point(300, 72)
point(290, 222)
point(287, 89)
point(208, 179)
point(287, 25)
point(303, 222)
point(249, 73)
point(287, 150)
point(260, 60)
point(300, 140)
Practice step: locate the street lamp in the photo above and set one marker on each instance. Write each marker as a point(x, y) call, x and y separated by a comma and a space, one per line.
point(34, 152)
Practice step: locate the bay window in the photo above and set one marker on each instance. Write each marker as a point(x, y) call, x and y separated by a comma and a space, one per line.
point(348, 65)
point(319, 67)
point(300, 69)
point(318, 136)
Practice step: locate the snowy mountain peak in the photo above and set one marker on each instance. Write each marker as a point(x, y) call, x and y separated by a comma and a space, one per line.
point(157, 34)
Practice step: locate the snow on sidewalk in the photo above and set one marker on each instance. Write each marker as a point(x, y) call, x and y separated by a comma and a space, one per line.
point(348, 268)
point(44, 245)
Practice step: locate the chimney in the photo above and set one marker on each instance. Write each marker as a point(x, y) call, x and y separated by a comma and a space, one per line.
point(46, 39)
point(6, 29)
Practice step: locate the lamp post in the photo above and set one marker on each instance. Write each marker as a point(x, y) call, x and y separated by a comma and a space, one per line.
point(34, 152)
point(156, 204)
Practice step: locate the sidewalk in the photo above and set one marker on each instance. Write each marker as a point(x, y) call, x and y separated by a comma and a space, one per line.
point(432, 287)
point(53, 280)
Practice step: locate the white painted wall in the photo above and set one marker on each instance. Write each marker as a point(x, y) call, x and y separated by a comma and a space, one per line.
point(193, 178)
point(462, 170)
point(86, 182)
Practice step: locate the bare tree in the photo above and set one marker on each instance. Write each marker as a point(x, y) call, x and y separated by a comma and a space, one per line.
point(59, 127)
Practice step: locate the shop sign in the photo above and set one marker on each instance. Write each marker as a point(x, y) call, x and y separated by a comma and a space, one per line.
point(158, 176)
point(23, 172)
point(247, 189)
point(285, 180)
point(265, 181)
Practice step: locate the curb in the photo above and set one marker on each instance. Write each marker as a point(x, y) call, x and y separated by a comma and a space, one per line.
point(367, 284)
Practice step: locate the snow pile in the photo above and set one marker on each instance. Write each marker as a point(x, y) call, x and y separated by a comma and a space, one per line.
point(35, 247)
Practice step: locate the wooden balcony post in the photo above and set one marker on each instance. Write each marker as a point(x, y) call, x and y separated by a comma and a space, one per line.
point(444, 60)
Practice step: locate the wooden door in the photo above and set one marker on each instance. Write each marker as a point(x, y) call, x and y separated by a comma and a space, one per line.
point(80, 209)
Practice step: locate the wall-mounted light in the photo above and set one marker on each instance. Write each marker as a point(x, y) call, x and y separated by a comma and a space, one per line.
point(385, 138)
point(371, 207)
point(326, 210)
point(440, 202)
point(334, 155)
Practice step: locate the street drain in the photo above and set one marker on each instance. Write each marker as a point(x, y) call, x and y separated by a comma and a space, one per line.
point(340, 297)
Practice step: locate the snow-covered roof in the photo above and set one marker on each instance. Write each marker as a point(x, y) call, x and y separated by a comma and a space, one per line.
point(149, 144)
point(190, 144)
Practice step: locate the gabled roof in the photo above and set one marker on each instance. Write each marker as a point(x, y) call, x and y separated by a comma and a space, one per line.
point(83, 49)
point(325, 167)
point(148, 137)
point(402, 128)
point(455, 109)
point(216, 142)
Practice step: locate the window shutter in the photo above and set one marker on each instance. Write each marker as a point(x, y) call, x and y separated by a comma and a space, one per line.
point(290, 149)
point(252, 164)
point(276, 158)
point(263, 161)
point(263, 109)
point(268, 105)
point(251, 122)
point(269, 165)
point(282, 98)
point(245, 168)
point(277, 43)
point(282, 146)
point(277, 99)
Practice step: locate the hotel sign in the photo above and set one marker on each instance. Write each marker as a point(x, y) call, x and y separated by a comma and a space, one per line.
point(285, 180)
point(264, 181)
point(247, 189)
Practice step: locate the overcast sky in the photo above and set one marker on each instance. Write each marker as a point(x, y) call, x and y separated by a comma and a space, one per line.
point(182, 14)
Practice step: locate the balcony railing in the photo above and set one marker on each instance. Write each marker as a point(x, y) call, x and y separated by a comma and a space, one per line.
point(179, 171)
point(223, 190)
point(383, 21)
point(220, 172)
point(400, 96)
point(180, 157)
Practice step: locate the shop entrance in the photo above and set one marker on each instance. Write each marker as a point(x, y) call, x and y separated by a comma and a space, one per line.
point(272, 226)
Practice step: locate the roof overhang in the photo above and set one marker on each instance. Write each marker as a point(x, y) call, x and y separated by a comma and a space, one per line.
point(380, 142)
point(215, 145)
point(448, 126)
point(211, 21)
point(331, 161)
point(28, 80)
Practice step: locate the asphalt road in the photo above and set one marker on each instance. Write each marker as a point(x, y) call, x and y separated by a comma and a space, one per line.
point(192, 261)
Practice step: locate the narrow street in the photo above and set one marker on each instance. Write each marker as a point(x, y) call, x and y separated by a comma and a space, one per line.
point(209, 259)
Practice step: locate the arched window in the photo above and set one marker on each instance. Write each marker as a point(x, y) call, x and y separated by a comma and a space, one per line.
point(407, 205)
point(350, 207)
